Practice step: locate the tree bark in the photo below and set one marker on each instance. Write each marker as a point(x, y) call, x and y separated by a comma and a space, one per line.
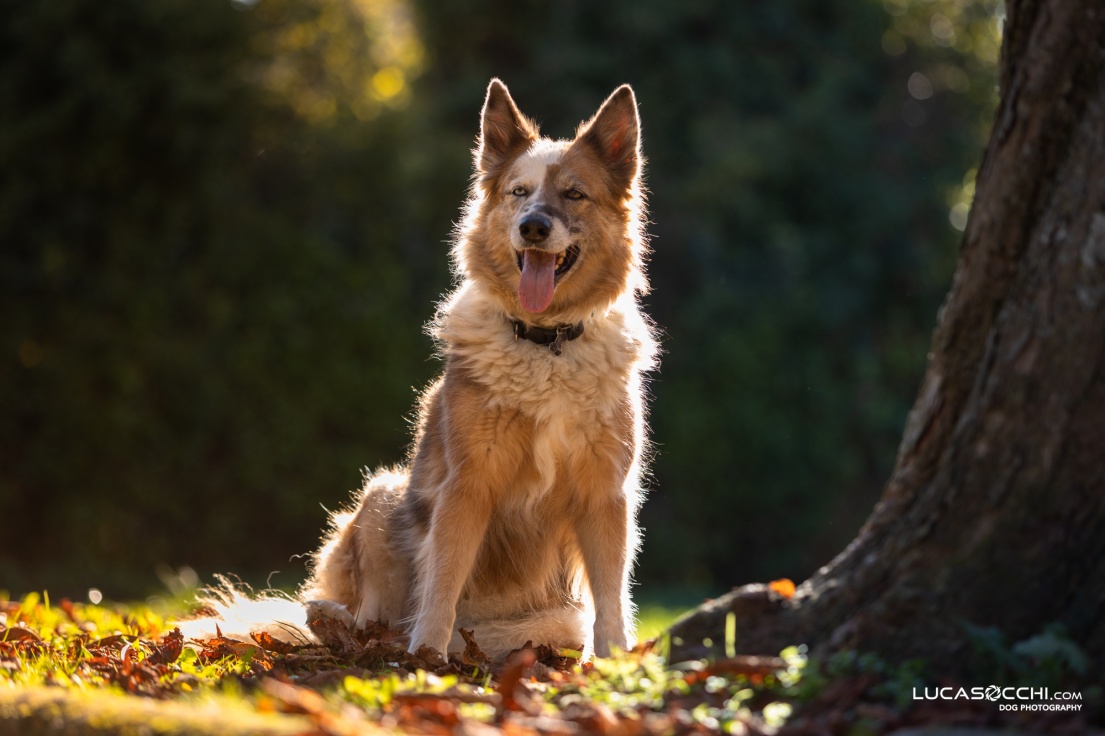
point(995, 511)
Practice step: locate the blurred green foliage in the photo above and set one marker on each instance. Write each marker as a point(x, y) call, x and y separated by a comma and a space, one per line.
point(222, 225)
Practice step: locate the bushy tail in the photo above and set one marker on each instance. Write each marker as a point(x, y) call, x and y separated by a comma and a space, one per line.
point(236, 611)
point(566, 626)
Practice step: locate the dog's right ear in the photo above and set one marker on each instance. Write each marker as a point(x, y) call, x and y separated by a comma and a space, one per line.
point(504, 131)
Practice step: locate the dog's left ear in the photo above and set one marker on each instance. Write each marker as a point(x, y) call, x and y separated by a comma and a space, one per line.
point(613, 134)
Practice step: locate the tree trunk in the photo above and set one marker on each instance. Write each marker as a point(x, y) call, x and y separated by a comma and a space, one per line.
point(995, 512)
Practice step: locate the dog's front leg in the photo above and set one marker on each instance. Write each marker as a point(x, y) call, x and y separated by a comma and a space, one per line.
point(607, 539)
point(445, 561)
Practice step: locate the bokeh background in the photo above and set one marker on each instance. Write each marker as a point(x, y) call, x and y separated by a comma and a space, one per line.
point(223, 225)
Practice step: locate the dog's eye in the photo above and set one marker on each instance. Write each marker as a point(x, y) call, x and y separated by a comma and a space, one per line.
point(519, 191)
point(574, 194)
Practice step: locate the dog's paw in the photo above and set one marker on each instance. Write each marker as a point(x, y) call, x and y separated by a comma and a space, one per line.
point(332, 610)
point(422, 639)
point(605, 646)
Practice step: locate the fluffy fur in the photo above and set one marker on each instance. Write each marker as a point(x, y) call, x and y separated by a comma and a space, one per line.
point(515, 514)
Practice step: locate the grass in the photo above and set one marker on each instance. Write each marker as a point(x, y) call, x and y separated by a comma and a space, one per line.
point(75, 668)
point(654, 618)
point(115, 660)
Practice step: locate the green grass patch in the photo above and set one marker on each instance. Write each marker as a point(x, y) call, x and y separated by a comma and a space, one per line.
point(113, 663)
point(654, 618)
point(70, 667)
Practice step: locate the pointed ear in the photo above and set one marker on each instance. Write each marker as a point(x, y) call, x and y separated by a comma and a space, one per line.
point(613, 134)
point(504, 131)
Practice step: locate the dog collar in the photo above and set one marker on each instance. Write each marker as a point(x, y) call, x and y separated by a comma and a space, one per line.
point(554, 337)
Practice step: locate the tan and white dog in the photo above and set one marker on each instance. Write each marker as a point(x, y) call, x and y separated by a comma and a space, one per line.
point(515, 515)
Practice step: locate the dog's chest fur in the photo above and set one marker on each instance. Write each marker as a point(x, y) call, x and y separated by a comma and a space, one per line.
point(577, 401)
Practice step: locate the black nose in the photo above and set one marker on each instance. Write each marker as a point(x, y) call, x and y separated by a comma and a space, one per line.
point(535, 228)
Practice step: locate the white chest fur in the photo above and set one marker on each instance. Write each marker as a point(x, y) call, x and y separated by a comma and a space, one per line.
point(571, 397)
point(588, 379)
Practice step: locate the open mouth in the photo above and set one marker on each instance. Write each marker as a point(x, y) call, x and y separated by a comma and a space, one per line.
point(564, 261)
point(541, 270)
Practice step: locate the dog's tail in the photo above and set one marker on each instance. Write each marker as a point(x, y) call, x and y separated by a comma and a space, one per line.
point(565, 626)
point(237, 612)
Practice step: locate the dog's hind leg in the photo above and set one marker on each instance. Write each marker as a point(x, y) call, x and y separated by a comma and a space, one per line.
point(359, 567)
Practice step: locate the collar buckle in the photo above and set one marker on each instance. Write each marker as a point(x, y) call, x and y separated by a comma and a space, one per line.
point(558, 342)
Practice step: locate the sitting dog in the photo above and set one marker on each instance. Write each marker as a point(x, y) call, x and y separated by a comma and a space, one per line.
point(515, 515)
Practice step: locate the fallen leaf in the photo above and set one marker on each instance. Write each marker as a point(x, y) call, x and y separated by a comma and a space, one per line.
point(18, 633)
point(270, 643)
point(293, 698)
point(431, 656)
point(783, 586)
point(511, 682)
point(376, 630)
point(598, 718)
point(115, 641)
point(172, 644)
point(334, 634)
point(417, 706)
point(220, 647)
point(472, 654)
point(66, 606)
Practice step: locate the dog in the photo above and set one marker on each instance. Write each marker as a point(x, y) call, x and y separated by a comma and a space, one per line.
point(515, 514)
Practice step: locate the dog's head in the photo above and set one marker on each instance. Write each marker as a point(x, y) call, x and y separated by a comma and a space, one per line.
point(554, 227)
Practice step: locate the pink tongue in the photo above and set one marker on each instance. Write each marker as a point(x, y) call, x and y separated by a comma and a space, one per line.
point(535, 290)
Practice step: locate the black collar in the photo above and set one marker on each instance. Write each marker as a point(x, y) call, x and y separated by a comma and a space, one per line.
point(554, 337)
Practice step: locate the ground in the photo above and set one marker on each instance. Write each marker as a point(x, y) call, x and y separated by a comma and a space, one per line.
point(77, 668)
